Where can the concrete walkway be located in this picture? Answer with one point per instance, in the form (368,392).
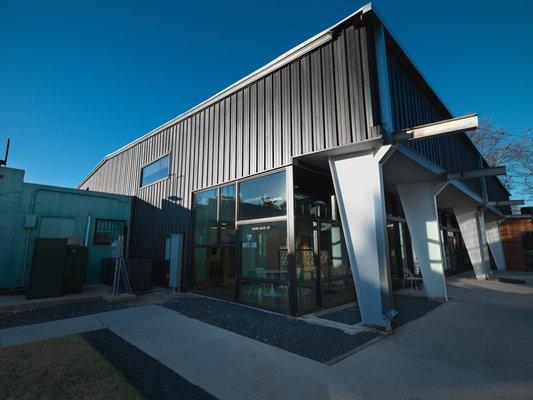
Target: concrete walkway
(476,346)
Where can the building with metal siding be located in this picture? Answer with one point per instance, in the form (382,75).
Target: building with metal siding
(316,102)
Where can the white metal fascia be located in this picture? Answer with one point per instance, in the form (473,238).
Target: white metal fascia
(438,171)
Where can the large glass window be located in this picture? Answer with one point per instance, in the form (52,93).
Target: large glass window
(336,281)
(263,197)
(155,171)
(399,251)
(264,264)
(205,217)
(240,246)
(306,270)
(214,270)
(393,205)
(313,194)
(227,214)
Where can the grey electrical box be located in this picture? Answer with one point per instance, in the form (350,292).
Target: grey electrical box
(29,222)
(176,254)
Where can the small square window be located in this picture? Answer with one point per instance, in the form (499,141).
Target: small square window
(107,231)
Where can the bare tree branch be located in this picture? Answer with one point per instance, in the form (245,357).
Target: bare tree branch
(499,147)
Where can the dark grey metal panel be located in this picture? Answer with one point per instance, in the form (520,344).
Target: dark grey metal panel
(201,150)
(218,143)
(239,132)
(210,156)
(254,137)
(232,155)
(368,68)
(269,119)
(328,84)
(355,83)
(277,146)
(306,105)
(296,109)
(342,96)
(316,101)
(286,110)
(261,137)
(412,105)
(246,149)
(227,139)
(196,156)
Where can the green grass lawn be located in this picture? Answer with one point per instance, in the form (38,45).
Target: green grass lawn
(64,368)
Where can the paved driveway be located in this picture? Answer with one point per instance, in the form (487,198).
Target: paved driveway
(477,346)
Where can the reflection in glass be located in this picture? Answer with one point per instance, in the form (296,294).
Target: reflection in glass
(264,258)
(450,241)
(313,194)
(214,270)
(263,197)
(335,274)
(227,214)
(306,271)
(272,295)
(155,171)
(205,217)
(399,252)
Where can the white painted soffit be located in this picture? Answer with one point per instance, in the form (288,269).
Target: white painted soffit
(320,158)
(438,173)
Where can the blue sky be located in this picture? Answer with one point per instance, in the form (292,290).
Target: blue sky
(81,79)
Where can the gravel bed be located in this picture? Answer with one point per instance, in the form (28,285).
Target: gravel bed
(348,316)
(319,343)
(60,311)
(151,378)
(408,307)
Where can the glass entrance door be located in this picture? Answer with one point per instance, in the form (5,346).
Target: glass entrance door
(323,273)
(336,282)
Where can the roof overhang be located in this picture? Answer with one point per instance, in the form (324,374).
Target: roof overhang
(319,159)
(404,165)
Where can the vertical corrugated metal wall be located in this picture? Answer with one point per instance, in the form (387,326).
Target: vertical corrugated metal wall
(316,102)
(412,106)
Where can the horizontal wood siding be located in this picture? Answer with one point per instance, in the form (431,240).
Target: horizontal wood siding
(511,236)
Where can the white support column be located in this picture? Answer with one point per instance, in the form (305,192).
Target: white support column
(420,208)
(472,226)
(495,244)
(359,189)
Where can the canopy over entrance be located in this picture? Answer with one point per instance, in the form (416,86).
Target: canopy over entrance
(362,172)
